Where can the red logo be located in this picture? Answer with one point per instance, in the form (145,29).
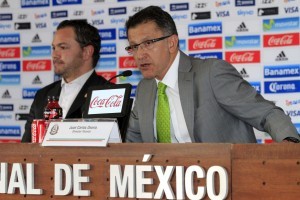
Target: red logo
(113,101)
(205,43)
(36,65)
(13,52)
(127,62)
(290,39)
(108,75)
(243,56)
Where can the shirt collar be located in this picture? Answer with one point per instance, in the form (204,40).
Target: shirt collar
(171,77)
(80,80)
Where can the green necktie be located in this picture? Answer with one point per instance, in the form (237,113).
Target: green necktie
(163,115)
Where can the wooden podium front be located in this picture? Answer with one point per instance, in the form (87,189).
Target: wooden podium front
(255,171)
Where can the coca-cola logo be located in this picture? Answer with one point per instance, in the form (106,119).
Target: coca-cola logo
(127,62)
(10,52)
(36,65)
(112,101)
(281,40)
(243,57)
(205,43)
(246,57)
(34,132)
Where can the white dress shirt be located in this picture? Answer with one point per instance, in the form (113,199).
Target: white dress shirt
(69,91)
(179,131)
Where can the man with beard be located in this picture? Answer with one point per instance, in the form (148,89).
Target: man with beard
(76,47)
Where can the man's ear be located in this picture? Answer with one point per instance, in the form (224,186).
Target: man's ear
(173,43)
(88,52)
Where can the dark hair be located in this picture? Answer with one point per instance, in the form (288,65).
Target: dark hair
(86,34)
(153,13)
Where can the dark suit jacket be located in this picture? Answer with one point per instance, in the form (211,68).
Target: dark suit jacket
(218,106)
(40,101)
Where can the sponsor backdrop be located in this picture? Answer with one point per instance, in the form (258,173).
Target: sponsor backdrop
(259,37)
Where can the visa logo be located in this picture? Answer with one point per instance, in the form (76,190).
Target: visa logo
(282,87)
(179,6)
(223,14)
(41,25)
(291,10)
(107,49)
(10,131)
(293,113)
(98,22)
(122,33)
(108,34)
(29,93)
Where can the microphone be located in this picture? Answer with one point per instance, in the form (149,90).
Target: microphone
(126,73)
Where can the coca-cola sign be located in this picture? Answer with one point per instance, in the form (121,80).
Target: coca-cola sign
(243,56)
(12,52)
(36,65)
(106,101)
(127,62)
(112,101)
(288,39)
(205,43)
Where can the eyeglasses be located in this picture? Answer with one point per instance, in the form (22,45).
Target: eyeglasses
(148,44)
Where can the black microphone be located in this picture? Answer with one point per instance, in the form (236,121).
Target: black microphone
(126,73)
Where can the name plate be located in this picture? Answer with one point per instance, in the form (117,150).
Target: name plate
(82,132)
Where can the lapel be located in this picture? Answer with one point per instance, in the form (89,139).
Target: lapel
(147,114)
(55,91)
(185,84)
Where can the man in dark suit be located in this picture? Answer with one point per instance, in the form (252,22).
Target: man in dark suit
(200,100)
(76,47)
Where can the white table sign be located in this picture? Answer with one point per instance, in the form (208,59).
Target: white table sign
(82,132)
